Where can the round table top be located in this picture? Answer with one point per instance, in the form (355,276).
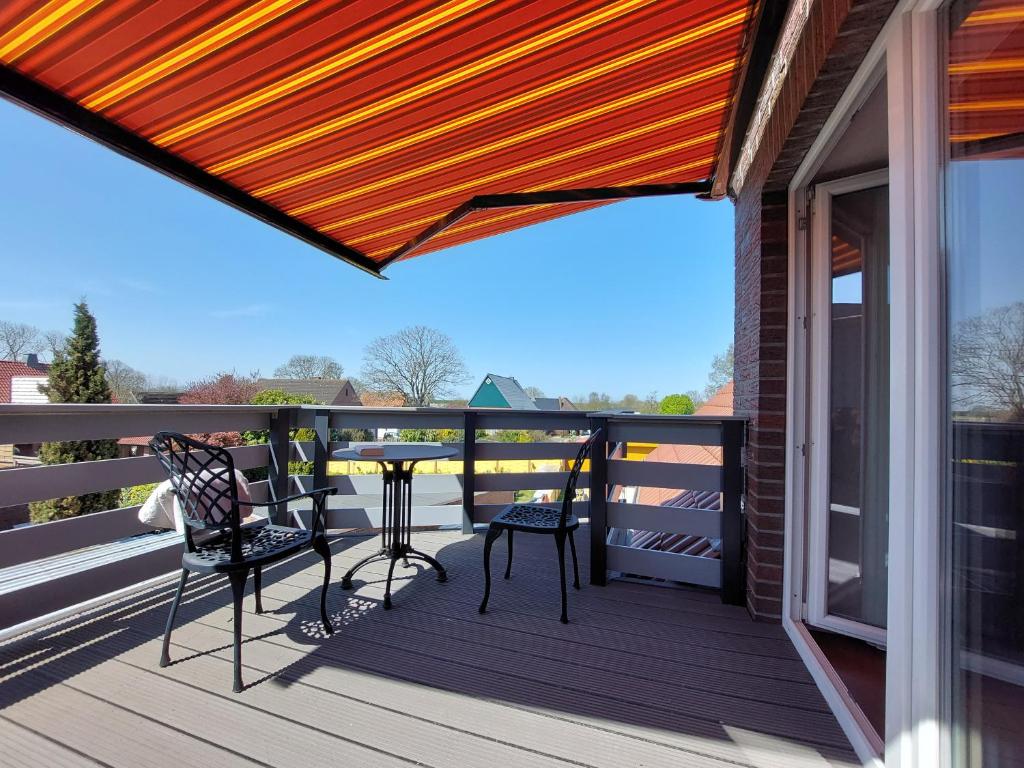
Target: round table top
(398,452)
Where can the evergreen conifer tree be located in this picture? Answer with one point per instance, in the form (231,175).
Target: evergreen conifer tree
(77,376)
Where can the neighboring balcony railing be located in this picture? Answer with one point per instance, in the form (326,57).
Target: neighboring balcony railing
(49,567)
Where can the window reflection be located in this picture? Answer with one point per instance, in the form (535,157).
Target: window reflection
(984,232)
(859,407)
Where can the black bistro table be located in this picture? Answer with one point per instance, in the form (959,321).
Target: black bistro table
(396,461)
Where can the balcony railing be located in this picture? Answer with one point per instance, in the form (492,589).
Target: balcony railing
(50,567)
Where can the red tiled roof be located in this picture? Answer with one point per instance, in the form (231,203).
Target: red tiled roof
(382,400)
(720,404)
(8,370)
(142,441)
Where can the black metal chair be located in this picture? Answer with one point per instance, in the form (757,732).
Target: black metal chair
(531,518)
(203,477)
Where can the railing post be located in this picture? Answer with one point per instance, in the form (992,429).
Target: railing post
(321,445)
(732,562)
(468,470)
(599,504)
(280,426)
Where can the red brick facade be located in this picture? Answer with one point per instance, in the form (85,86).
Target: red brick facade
(831,47)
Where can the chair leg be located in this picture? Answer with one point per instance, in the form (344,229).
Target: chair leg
(575,564)
(238,589)
(165,657)
(493,534)
(508,568)
(257,583)
(321,547)
(560,544)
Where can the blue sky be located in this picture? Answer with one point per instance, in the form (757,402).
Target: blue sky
(633,297)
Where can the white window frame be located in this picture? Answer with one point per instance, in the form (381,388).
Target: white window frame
(916,729)
(820,373)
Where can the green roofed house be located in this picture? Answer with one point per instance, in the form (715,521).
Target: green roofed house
(505,392)
(501,392)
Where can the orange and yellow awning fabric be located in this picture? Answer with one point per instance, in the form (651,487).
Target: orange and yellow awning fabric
(385,129)
(986,66)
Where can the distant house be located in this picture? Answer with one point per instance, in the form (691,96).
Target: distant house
(554,404)
(505,392)
(22,383)
(133,446)
(323,391)
(158,398)
(383,400)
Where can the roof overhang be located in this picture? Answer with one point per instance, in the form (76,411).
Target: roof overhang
(380,131)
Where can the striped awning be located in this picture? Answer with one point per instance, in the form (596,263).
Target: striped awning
(384,129)
(986,63)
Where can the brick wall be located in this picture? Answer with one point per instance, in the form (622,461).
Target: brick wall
(832,46)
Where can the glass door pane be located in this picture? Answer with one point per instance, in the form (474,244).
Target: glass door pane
(984,211)
(858,429)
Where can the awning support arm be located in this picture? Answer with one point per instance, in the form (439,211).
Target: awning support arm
(548,197)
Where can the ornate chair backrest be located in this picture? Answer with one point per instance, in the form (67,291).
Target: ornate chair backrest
(203,478)
(570,486)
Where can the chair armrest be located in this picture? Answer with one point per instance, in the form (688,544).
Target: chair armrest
(318,495)
(307,494)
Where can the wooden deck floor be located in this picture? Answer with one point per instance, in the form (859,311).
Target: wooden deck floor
(643,676)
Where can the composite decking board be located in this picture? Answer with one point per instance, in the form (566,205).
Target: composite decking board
(439,743)
(463,662)
(70,718)
(586,640)
(540,601)
(672,609)
(197,686)
(450,659)
(716,690)
(22,748)
(501,640)
(534,730)
(537,617)
(300,594)
(691,742)
(584,602)
(218,685)
(536,601)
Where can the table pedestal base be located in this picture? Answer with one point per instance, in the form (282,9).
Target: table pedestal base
(396,529)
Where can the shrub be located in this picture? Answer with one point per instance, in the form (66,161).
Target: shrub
(136,495)
(677,404)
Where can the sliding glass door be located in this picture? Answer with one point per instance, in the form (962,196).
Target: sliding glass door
(849,383)
(985,357)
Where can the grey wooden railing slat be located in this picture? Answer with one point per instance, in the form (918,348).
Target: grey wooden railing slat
(658,474)
(20,486)
(646,517)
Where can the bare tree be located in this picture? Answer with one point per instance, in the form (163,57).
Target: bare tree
(18,340)
(54,342)
(987,362)
(721,373)
(124,381)
(534,392)
(420,363)
(310,367)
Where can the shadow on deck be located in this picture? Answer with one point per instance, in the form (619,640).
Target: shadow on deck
(641,675)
